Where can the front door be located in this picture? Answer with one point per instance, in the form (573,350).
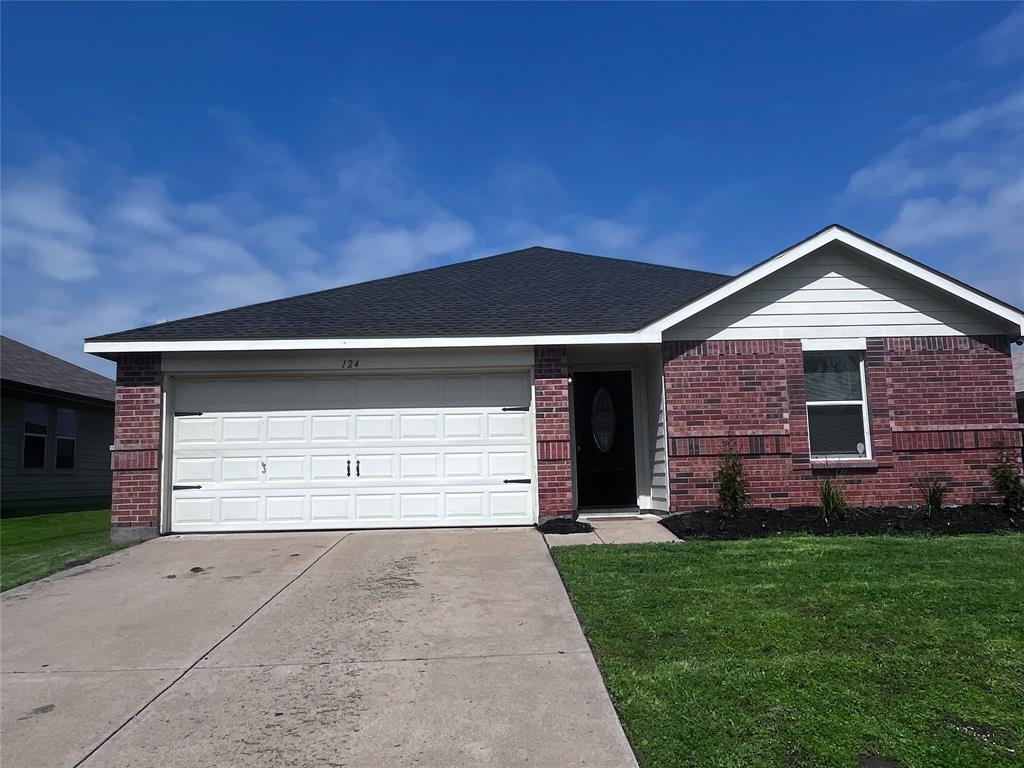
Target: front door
(605,460)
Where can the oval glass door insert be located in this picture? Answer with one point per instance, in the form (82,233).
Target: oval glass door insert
(602,420)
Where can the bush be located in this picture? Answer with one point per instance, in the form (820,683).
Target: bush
(1006,479)
(933,492)
(833,501)
(732,485)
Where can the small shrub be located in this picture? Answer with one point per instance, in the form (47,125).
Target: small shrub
(732,485)
(933,492)
(1006,479)
(833,501)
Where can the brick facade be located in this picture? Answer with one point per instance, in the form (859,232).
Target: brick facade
(554,453)
(135,454)
(937,406)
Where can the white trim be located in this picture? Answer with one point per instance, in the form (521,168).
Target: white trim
(833,345)
(229,345)
(830,235)
(864,412)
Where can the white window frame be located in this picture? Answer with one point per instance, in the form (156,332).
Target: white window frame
(863,403)
(57,437)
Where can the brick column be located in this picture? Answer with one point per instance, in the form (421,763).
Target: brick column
(554,455)
(135,454)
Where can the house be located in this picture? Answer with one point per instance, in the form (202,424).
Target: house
(525,386)
(57,428)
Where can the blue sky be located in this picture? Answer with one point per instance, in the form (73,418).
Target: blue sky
(161,160)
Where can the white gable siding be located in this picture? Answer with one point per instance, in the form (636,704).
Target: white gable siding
(834,293)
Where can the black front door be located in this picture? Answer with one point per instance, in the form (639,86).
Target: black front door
(605,462)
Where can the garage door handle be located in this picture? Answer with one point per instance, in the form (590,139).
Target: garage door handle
(185,487)
(357,467)
(516,408)
(518,480)
(348,468)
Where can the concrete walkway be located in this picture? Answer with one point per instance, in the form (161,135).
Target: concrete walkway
(390,648)
(624,529)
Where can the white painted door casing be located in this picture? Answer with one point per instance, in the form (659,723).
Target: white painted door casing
(361,451)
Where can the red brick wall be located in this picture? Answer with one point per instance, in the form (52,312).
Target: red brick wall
(554,456)
(135,455)
(936,405)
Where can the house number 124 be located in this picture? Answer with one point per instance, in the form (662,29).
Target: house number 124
(350,363)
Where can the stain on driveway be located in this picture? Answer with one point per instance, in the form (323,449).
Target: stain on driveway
(399,648)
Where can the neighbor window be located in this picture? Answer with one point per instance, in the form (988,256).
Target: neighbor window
(33,452)
(837,417)
(67,431)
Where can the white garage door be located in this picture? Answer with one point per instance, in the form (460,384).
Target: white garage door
(364,451)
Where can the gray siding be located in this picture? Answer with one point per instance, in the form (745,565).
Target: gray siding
(87,483)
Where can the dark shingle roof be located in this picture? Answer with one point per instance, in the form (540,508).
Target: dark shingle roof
(532,291)
(22,364)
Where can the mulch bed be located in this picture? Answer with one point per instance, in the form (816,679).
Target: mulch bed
(757,522)
(564,525)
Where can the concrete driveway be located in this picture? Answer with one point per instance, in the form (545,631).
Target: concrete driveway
(385,648)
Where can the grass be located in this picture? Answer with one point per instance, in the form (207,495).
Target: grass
(35,546)
(800,651)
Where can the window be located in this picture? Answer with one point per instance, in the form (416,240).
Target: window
(67,431)
(33,452)
(837,418)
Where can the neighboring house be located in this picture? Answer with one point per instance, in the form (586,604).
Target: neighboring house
(57,428)
(524,386)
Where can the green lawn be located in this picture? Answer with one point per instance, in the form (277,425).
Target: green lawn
(35,546)
(801,651)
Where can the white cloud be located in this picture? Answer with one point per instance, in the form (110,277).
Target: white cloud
(90,247)
(956,188)
(1003,44)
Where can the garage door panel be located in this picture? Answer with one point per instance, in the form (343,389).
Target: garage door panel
(464,425)
(285,469)
(375,506)
(464,466)
(508,425)
(375,427)
(335,508)
(510,464)
(286,508)
(331,429)
(329,467)
(286,429)
(421,506)
(419,426)
(241,429)
(283,455)
(240,469)
(195,511)
(420,466)
(510,504)
(195,470)
(241,509)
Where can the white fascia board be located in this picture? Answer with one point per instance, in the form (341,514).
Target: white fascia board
(234,345)
(837,234)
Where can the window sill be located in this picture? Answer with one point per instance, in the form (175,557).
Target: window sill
(839,464)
